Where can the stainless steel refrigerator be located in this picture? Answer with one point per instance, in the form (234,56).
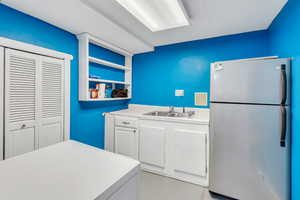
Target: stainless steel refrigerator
(250,129)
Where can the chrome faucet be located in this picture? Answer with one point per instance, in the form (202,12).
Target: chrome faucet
(171,109)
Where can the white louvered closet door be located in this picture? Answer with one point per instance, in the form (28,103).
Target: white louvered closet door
(51,121)
(21,86)
(34,102)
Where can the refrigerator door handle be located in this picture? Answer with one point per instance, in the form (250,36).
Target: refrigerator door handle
(283,84)
(283,127)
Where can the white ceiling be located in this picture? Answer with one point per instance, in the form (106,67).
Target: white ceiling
(76,17)
(109,21)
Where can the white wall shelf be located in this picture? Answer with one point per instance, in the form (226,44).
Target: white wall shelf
(107,63)
(109,99)
(84,62)
(108,81)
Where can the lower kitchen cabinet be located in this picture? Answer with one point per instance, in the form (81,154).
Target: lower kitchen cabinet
(190,153)
(126,142)
(152,145)
(174,149)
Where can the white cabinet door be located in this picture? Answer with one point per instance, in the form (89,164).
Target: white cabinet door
(190,152)
(152,144)
(51,101)
(126,142)
(20,102)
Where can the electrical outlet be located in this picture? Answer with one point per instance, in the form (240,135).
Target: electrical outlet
(179,93)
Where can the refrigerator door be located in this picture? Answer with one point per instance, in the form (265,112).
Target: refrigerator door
(256,81)
(247,160)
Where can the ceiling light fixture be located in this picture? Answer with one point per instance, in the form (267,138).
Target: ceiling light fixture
(157,15)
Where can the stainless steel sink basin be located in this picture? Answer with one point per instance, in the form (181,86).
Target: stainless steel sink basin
(170,114)
(158,113)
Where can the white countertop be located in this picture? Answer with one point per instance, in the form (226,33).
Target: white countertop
(65,171)
(201,115)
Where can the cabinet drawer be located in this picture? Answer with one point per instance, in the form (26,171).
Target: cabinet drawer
(126,121)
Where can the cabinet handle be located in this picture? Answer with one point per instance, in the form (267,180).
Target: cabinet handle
(23,126)
(126,123)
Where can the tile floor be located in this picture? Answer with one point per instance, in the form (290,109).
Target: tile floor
(155,187)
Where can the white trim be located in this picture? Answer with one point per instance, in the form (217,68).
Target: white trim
(67,104)
(211,81)
(33,49)
(247,59)
(83,88)
(2,101)
(128,74)
(94,40)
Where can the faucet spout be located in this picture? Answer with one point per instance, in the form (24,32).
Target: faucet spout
(171,109)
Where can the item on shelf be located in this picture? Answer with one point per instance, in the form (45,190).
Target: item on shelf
(119,93)
(101,89)
(94,76)
(108,91)
(93,93)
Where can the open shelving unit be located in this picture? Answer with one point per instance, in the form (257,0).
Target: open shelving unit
(84,62)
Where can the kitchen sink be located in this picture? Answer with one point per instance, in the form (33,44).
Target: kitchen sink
(170,114)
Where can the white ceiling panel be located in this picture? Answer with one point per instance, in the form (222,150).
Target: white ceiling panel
(208,18)
(75,17)
(109,21)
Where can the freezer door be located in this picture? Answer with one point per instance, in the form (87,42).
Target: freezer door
(247,160)
(256,81)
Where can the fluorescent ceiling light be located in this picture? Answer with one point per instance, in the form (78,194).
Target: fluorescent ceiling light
(157,15)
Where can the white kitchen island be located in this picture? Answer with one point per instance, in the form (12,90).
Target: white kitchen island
(69,171)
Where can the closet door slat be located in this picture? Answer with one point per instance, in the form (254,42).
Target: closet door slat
(52,101)
(21,105)
(52,86)
(34,101)
(21,87)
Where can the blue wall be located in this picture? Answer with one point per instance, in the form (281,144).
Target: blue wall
(285,42)
(157,74)
(187,66)
(86,119)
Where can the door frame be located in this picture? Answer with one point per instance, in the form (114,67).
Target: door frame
(2,102)
(21,46)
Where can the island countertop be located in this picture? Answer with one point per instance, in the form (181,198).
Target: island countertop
(65,171)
